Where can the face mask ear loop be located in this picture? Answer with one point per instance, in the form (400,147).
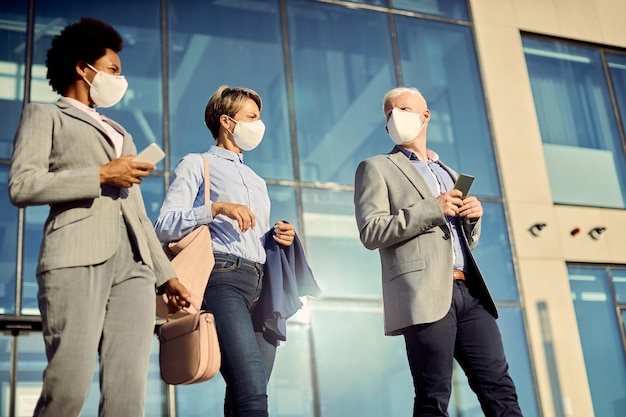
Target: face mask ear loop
(85,78)
(228,130)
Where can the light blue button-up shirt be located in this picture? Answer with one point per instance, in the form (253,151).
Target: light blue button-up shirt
(439,181)
(231,181)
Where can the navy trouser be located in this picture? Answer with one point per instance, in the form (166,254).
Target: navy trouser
(247,359)
(469,334)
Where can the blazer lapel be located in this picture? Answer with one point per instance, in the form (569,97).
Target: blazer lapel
(76,113)
(410,172)
(416,179)
(126,145)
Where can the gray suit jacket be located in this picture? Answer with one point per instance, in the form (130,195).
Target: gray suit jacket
(57,152)
(397,214)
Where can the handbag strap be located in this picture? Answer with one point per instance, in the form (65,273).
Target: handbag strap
(207,182)
(188,310)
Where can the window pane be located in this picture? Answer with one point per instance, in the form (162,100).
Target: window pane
(455,9)
(600,339)
(341,265)
(617,69)
(493,254)
(8,252)
(371,2)
(34,219)
(6,347)
(156,389)
(290,389)
(152,190)
(211,394)
(440,60)
(140,111)
(619,281)
(511,324)
(340,76)
(583,151)
(371,381)
(31,362)
(237,43)
(12,60)
(283,200)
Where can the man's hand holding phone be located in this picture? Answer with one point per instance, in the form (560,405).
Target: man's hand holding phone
(470,206)
(456,202)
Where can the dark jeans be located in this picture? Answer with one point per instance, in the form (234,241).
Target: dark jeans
(247,359)
(469,334)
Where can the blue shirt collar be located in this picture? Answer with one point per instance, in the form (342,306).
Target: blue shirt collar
(225,153)
(432,155)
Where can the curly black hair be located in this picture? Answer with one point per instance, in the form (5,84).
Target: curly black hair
(87,41)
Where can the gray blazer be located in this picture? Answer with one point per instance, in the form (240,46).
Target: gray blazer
(397,214)
(57,152)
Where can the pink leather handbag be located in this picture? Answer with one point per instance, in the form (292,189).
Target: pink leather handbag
(189,350)
(192,259)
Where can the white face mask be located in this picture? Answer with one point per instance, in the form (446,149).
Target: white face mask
(248,135)
(404,126)
(106,89)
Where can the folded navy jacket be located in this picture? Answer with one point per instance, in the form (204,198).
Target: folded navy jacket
(287,277)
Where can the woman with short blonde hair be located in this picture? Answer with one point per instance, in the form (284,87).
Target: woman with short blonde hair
(238,216)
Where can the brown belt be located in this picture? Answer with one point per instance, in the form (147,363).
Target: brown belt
(458,274)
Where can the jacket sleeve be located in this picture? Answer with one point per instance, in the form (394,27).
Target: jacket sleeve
(382,217)
(31,182)
(160,263)
(179,215)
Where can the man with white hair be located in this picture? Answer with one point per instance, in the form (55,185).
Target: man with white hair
(433,292)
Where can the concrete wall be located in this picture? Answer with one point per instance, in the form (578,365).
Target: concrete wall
(541,260)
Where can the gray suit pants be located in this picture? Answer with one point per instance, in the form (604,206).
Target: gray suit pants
(106,310)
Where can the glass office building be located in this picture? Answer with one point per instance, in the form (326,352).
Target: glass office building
(529,97)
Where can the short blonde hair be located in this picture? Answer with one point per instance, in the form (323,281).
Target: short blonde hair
(228,101)
(397,91)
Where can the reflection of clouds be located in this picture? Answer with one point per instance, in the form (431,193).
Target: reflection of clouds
(330,226)
(329,214)
(358,121)
(340,263)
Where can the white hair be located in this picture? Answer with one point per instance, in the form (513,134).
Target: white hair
(400,90)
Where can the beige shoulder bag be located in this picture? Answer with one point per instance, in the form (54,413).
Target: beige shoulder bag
(192,259)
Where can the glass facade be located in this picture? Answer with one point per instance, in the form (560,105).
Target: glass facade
(12,67)
(601,334)
(576,108)
(322,68)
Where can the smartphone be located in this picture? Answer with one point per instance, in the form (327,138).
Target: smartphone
(464,183)
(152,153)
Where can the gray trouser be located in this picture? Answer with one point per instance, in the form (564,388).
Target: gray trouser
(105,309)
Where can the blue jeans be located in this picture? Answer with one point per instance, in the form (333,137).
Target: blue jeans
(469,334)
(247,358)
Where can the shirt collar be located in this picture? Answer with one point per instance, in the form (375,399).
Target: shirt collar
(79,105)
(225,153)
(432,155)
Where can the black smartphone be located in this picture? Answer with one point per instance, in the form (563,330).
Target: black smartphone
(464,183)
